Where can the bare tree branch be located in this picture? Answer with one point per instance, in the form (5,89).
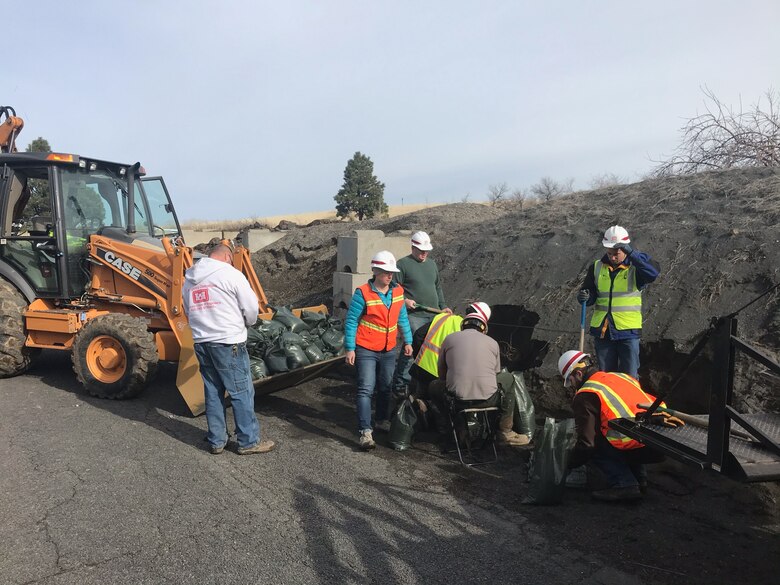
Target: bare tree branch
(723,137)
(547,188)
(497,193)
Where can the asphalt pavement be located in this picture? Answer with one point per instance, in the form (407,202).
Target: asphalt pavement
(99,491)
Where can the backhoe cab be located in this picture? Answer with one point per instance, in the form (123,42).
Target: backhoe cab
(92,261)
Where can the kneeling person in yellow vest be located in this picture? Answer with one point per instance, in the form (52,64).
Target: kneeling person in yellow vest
(616,463)
(467,366)
(426,345)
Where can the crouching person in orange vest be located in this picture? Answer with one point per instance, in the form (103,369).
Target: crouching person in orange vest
(375,314)
(616,463)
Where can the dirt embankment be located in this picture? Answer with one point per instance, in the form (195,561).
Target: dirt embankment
(715,236)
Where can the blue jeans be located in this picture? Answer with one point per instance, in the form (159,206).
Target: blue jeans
(225,367)
(622,467)
(374,370)
(621,355)
(401,376)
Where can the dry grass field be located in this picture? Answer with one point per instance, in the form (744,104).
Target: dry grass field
(299,218)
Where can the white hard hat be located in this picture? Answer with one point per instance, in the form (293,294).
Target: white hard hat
(422,241)
(384,260)
(478,310)
(567,362)
(614,236)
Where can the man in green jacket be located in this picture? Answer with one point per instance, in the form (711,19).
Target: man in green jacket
(419,276)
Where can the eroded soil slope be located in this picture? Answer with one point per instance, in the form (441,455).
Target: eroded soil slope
(715,236)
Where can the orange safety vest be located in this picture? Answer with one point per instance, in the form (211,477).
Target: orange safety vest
(377,328)
(619,395)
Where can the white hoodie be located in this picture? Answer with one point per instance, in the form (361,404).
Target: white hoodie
(219,302)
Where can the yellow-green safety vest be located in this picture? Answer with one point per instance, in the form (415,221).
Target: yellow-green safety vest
(442,325)
(619,296)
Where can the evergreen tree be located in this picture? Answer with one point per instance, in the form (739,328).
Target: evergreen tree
(39,188)
(362,193)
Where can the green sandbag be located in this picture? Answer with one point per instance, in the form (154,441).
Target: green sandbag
(296,358)
(525,413)
(313,319)
(270,328)
(314,353)
(276,359)
(549,462)
(290,338)
(285,316)
(333,340)
(255,341)
(305,339)
(257,368)
(402,426)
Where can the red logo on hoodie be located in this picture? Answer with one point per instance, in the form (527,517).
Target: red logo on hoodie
(200,295)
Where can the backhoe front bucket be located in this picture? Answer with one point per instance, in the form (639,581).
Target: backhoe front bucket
(188,378)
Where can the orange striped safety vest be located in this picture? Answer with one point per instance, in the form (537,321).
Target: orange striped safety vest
(378,327)
(619,395)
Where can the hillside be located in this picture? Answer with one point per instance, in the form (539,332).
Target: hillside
(715,236)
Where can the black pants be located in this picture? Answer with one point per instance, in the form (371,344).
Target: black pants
(443,400)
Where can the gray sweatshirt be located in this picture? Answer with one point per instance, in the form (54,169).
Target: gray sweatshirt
(219,302)
(468,362)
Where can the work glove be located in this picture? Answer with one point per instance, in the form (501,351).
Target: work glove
(583,296)
(626,248)
(664,419)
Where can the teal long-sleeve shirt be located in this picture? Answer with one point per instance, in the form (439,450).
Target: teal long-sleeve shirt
(357,308)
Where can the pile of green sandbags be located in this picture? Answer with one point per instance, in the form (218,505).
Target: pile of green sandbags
(287,342)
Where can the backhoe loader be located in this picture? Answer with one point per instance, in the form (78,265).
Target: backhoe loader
(92,262)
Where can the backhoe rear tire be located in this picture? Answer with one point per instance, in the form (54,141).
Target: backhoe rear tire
(114,356)
(15,358)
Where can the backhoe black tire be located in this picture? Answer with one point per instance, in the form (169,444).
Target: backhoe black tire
(15,358)
(114,356)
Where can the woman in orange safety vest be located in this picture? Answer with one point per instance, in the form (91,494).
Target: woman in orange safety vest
(376,313)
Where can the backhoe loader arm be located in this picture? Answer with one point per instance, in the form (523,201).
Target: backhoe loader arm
(9,129)
(242,261)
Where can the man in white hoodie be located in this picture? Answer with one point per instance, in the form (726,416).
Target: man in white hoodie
(220,304)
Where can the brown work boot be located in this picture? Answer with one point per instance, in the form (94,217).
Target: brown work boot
(261,447)
(512,439)
(366,441)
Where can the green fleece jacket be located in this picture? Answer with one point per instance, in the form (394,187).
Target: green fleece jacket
(420,281)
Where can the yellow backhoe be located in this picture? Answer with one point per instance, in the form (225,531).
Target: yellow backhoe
(92,262)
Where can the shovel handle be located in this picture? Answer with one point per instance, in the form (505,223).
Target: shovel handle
(694,420)
(582,326)
(428,309)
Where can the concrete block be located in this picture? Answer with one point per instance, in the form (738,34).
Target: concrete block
(399,246)
(354,252)
(257,239)
(344,285)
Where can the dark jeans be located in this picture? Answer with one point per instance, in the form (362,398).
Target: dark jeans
(443,401)
(619,467)
(401,376)
(620,355)
(374,372)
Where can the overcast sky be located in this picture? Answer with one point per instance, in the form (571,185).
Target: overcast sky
(252,108)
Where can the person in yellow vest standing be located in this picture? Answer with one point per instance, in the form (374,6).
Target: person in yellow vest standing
(614,286)
(616,463)
(376,313)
